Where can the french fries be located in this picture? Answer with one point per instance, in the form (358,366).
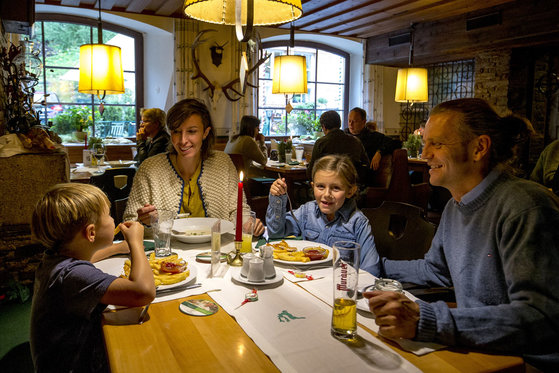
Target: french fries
(160,277)
(282,251)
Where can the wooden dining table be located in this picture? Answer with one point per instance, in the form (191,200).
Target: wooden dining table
(291,174)
(170,340)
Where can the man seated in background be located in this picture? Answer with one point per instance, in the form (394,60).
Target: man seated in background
(376,144)
(335,141)
(547,164)
(497,244)
(152,138)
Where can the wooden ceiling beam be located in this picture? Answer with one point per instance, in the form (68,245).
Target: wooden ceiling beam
(526,23)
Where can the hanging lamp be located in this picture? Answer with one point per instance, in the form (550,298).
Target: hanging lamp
(266,12)
(411,83)
(100,68)
(290,74)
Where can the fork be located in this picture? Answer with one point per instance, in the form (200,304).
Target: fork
(290,205)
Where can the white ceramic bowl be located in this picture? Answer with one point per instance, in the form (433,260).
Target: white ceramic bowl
(197,230)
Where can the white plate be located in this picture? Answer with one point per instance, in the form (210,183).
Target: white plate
(300,245)
(237,277)
(119,164)
(197,224)
(115,266)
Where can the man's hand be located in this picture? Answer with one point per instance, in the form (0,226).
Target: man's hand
(278,188)
(396,315)
(375,162)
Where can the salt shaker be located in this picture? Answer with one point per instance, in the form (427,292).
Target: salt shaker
(266,252)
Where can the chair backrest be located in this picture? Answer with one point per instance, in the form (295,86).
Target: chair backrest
(400,230)
(116,183)
(238,161)
(119,207)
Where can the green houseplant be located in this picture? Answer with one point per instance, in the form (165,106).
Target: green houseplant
(75,119)
(413,144)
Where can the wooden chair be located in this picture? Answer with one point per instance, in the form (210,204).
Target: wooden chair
(400,230)
(391,182)
(258,202)
(116,183)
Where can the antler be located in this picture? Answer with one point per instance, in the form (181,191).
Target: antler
(229,86)
(199,73)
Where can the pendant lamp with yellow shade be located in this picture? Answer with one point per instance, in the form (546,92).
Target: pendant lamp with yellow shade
(266,12)
(100,68)
(411,83)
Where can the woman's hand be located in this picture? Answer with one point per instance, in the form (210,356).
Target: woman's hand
(395,314)
(278,188)
(258,228)
(141,134)
(144,214)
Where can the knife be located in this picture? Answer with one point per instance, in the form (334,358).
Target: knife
(176,288)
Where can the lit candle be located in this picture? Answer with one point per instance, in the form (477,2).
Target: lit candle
(239,227)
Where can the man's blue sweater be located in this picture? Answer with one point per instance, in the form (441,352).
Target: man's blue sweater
(499,248)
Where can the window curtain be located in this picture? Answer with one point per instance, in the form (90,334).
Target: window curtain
(226,115)
(372,93)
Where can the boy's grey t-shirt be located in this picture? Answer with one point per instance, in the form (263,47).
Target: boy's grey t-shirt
(66,330)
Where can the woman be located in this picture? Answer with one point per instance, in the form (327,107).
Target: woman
(249,143)
(152,138)
(191,177)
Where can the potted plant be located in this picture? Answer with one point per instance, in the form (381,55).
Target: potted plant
(284,146)
(413,144)
(77,119)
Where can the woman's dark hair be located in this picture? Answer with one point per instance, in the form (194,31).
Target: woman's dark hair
(477,118)
(248,124)
(183,110)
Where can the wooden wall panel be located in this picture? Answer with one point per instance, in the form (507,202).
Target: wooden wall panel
(524,23)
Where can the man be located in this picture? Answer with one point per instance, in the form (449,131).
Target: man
(375,143)
(335,141)
(497,244)
(152,138)
(547,164)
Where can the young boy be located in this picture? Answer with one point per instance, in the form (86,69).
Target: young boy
(72,221)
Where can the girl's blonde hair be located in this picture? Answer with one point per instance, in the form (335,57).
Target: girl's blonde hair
(340,164)
(64,210)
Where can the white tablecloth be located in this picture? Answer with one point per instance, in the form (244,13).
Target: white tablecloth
(290,325)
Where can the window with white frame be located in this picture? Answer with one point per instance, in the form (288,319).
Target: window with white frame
(327,77)
(56,98)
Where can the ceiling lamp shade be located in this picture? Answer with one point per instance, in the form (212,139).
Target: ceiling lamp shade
(290,75)
(100,69)
(266,12)
(411,85)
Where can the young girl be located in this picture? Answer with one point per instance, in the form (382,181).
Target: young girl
(72,221)
(332,216)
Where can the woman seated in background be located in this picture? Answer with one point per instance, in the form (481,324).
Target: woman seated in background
(192,177)
(152,138)
(249,143)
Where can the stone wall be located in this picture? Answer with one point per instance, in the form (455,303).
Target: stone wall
(492,79)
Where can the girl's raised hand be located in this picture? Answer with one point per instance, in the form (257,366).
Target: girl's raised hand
(278,188)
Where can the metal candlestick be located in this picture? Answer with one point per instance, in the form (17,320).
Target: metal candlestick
(237,260)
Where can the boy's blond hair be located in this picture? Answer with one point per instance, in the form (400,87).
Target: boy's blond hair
(64,210)
(341,165)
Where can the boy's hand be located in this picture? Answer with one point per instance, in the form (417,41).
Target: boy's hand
(279,187)
(145,212)
(395,314)
(133,232)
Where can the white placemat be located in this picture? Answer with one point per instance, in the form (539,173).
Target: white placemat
(323,290)
(293,329)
